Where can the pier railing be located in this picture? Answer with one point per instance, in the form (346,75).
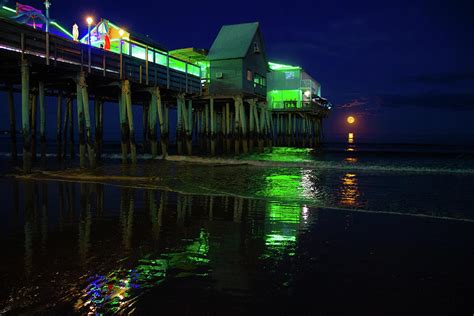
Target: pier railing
(61,52)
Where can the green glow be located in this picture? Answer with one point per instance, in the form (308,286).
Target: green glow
(284,154)
(279,99)
(138,52)
(281,186)
(282,229)
(205,69)
(62,29)
(284,213)
(177,64)
(9,9)
(275,66)
(194,70)
(161,59)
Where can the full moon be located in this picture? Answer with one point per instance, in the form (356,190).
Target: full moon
(351,120)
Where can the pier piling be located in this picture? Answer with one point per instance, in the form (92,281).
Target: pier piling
(42,121)
(128,101)
(152,122)
(11,107)
(59,110)
(25,98)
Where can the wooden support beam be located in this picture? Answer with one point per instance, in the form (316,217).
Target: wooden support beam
(84,122)
(228,125)
(251,121)
(11,107)
(152,122)
(97,119)
(189,127)
(146,125)
(33,101)
(42,121)
(213,126)
(179,123)
(65,127)
(59,109)
(123,125)
(80,124)
(25,98)
(237,127)
(71,128)
(243,125)
(126,90)
(163,124)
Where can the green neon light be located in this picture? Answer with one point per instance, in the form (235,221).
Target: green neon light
(62,29)
(275,66)
(279,99)
(177,64)
(9,9)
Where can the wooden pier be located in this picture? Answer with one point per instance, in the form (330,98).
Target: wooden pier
(37,64)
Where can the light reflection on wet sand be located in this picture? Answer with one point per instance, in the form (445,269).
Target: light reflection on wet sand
(94,248)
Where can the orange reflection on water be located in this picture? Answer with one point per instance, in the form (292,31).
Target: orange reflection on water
(350,138)
(349,190)
(351,159)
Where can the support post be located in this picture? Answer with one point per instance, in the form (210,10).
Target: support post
(42,121)
(123,125)
(179,124)
(98,129)
(213,127)
(25,97)
(237,127)
(71,128)
(86,120)
(189,127)
(243,123)
(80,124)
(11,106)
(128,100)
(152,121)
(161,118)
(33,100)
(227,128)
(251,122)
(59,110)
(146,126)
(65,127)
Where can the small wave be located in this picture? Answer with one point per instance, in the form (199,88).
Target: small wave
(322,165)
(156,183)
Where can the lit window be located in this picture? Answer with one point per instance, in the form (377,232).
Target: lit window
(249,75)
(259,80)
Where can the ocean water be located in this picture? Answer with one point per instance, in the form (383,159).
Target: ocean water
(348,228)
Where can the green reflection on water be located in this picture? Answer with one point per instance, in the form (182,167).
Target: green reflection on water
(283,154)
(283,225)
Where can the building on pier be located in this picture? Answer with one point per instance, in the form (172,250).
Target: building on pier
(295,101)
(229,96)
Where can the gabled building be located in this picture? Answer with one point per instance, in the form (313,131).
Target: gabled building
(238,62)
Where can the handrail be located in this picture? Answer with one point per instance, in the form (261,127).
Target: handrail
(21,39)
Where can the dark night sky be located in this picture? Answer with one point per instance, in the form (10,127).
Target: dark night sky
(404,68)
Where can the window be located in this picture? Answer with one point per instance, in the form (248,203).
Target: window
(260,80)
(290,75)
(256,48)
(160,59)
(177,64)
(249,75)
(194,70)
(138,51)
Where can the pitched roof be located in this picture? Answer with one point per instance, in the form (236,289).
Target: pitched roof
(233,41)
